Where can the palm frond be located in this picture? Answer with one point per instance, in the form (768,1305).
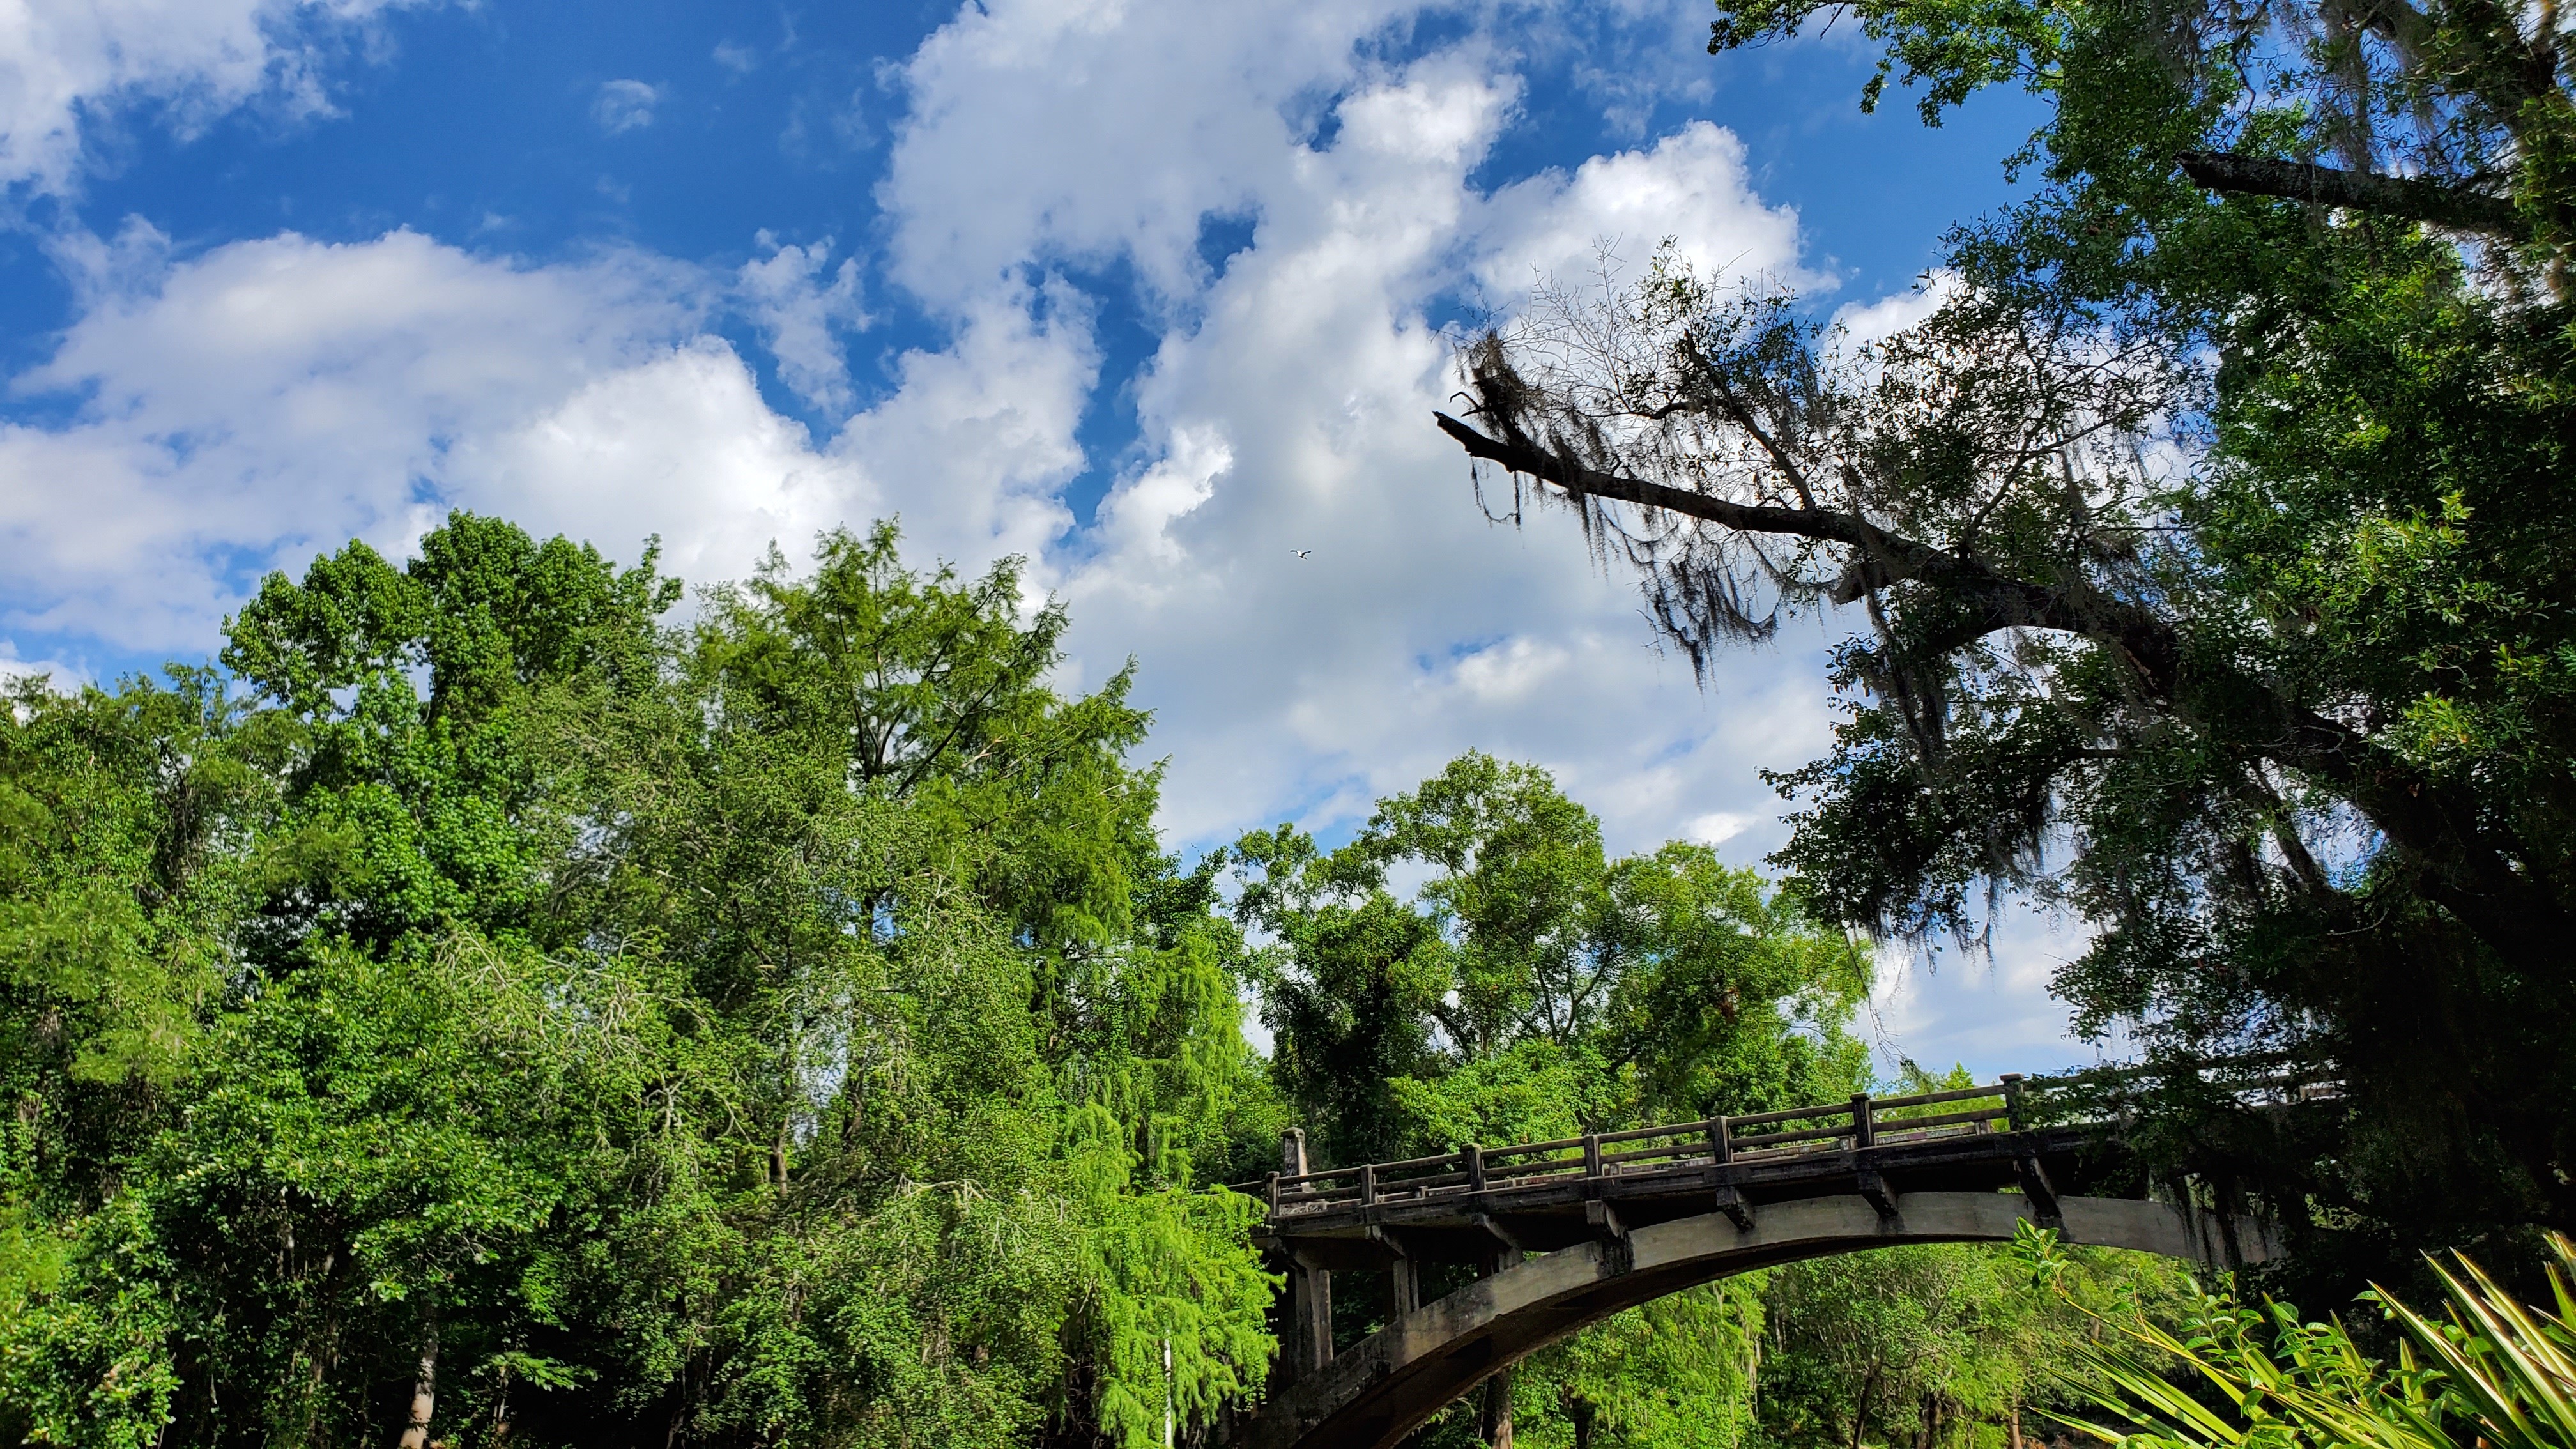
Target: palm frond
(2491,1372)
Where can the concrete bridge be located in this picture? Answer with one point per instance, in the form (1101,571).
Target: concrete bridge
(1484,1256)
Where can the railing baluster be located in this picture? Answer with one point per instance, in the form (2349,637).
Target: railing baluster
(1862,1135)
(1591,1154)
(1368,1184)
(1721,1145)
(2012,1100)
(1475,1168)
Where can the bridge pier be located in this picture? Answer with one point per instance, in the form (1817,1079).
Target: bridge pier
(1310,1316)
(1494,1415)
(1494,1425)
(1403,1285)
(1306,1330)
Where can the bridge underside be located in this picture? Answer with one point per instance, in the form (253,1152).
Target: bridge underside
(1388,1384)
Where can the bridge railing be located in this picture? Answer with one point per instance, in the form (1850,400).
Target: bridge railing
(1861,1121)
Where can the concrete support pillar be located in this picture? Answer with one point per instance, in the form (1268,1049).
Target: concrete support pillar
(1494,1420)
(1403,1288)
(1494,1425)
(1310,1316)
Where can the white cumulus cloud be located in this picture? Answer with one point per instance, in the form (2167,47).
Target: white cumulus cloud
(624,105)
(1288,406)
(1604,221)
(65,64)
(268,400)
(1866,322)
(1041,128)
(802,304)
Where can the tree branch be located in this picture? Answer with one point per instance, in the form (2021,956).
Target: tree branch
(2467,869)
(2002,602)
(2455,207)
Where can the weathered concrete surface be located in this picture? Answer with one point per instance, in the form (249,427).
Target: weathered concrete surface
(1387,1385)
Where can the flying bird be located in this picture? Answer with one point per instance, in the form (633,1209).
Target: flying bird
(1301,552)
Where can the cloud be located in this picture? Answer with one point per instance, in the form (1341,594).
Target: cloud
(800,315)
(58,676)
(1288,407)
(245,409)
(1511,671)
(1600,224)
(1866,322)
(624,105)
(1990,1015)
(267,399)
(1049,131)
(66,64)
(1716,828)
(679,445)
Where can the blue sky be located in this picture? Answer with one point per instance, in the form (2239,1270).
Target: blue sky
(1151,292)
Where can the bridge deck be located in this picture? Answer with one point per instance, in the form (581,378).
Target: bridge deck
(1541,1196)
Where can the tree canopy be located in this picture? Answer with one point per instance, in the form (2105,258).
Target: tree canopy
(2204,548)
(511,1013)
(1533,987)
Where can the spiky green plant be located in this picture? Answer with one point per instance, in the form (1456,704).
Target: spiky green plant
(2489,1372)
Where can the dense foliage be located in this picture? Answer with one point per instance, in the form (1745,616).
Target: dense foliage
(1533,987)
(2491,1371)
(512,1015)
(488,1009)
(2206,545)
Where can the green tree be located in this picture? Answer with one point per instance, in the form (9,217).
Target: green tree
(2204,546)
(1533,987)
(1937,1345)
(518,1019)
(1678,1373)
(1941,1344)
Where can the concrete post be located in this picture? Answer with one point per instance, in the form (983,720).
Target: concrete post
(1494,1425)
(1310,1288)
(1310,1295)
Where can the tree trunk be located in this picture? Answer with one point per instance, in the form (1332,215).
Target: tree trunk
(424,1390)
(2013,1427)
(1860,1404)
(501,1408)
(1581,1411)
(1496,1425)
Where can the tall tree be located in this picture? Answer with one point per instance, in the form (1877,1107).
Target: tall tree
(2204,546)
(1533,986)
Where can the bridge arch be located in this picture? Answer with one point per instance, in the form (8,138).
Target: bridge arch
(1390,1383)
